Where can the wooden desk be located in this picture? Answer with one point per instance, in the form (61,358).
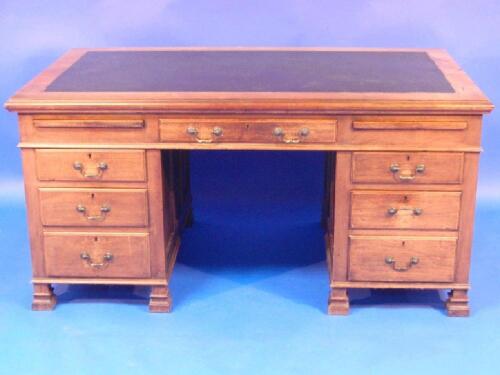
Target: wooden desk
(105,136)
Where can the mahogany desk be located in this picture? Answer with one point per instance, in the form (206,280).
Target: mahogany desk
(105,136)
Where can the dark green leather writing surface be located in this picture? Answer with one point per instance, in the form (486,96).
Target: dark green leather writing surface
(252,71)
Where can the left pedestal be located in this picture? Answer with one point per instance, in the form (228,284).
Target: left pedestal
(99,215)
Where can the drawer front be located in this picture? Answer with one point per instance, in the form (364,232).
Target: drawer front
(90,165)
(265,131)
(407,167)
(418,259)
(93,207)
(405,210)
(97,255)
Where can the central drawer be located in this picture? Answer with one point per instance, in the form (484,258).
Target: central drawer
(97,254)
(419,259)
(405,210)
(253,131)
(93,207)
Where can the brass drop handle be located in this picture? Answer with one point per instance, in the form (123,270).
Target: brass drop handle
(391,262)
(106,259)
(395,169)
(216,132)
(84,171)
(104,211)
(280,133)
(391,211)
(417,211)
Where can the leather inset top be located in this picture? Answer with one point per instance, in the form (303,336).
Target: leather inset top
(253,71)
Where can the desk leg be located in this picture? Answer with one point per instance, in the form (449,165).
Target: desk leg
(338,303)
(338,229)
(159,299)
(458,303)
(43,297)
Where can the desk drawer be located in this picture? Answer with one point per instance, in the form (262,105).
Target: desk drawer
(235,131)
(97,255)
(93,207)
(419,259)
(90,165)
(407,167)
(405,210)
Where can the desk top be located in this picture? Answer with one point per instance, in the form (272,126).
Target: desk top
(246,79)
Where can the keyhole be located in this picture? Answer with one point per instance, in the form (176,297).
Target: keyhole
(407,157)
(95,239)
(403,243)
(406,198)
(92,195)
(89,155)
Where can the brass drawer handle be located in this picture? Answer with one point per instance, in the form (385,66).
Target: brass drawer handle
(391,262)
(415,211)
(84,171)
(395,169)
(216,132)
(280,133)
(104,211)
(106,259)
